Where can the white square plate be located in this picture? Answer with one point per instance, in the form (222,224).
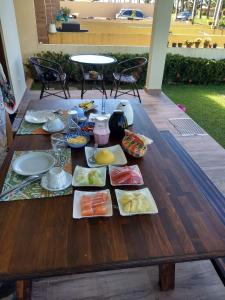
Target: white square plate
(120,158)
(85,173)
(134,168)
(148,195)
(77,208)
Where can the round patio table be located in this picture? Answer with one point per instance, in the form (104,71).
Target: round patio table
(93,59)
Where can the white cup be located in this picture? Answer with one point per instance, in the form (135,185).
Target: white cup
(54,124)
(56,178)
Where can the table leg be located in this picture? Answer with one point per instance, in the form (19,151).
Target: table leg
(23,289)
(167,276)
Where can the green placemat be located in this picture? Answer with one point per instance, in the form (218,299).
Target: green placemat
(30,128)
(34,190)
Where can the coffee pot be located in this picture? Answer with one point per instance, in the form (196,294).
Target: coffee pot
(126,107)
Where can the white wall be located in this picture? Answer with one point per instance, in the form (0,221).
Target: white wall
(209,53)
(11,43)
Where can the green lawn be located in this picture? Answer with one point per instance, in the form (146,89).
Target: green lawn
(203,20)
(204,104)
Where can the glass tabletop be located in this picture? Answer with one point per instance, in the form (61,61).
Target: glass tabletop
(93,59)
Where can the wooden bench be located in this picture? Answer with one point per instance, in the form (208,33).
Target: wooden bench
(211,192)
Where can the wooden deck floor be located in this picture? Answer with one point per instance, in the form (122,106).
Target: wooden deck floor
(196,280)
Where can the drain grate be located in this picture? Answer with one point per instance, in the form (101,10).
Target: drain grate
(187,127)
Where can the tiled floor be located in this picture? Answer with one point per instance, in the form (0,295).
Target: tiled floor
(195,280)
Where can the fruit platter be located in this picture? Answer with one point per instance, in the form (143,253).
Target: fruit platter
(113,155)
(89,176)
(92,204)
(136,202)
(87,105)
(127,175)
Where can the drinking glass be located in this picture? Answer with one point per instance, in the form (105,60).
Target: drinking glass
(58,146)
(72,119)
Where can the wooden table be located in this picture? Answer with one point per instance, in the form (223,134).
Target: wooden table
(40,238)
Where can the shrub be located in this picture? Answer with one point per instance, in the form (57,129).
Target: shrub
(196,70)
(177,68)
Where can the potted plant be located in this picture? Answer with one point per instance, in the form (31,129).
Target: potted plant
(197,42)
(207,42)
(65,12)
(180,45)
(214,45)
(189,43)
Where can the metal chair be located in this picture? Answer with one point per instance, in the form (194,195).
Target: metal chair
(128,72)
(50,73)
(88,79)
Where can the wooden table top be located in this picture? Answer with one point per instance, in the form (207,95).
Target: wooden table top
(40,238)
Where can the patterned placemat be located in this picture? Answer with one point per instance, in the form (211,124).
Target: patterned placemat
(34,190)
(30,128)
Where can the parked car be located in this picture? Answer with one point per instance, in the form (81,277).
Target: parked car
(183,16)
(128,13)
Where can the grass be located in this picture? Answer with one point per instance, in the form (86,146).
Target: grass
(204,104)
(203,20)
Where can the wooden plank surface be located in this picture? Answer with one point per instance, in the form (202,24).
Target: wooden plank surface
(194,281)
(186,227)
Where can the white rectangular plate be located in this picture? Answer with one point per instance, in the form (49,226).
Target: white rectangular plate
(86,171)
(149,197)
(76,204)
(134,167)
(120,158)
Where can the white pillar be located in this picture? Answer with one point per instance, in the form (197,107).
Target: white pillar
(217,12)
(158,48)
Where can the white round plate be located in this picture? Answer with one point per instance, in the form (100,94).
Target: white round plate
(44,183)
(52,131)
(38,117)
(33,163)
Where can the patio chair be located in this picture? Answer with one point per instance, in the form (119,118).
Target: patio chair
(95,81)
(50,73)
(128,72)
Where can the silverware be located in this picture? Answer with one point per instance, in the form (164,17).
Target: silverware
(23,184)
(72,125)
(91,159)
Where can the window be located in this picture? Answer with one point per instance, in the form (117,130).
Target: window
(127,13)
(139,14)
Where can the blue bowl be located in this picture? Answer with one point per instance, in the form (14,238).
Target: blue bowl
(75,134)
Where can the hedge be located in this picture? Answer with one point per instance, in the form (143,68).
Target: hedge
(177,68)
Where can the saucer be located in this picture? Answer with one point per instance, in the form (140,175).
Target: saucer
(38,116)
(52,131)
(44,183)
